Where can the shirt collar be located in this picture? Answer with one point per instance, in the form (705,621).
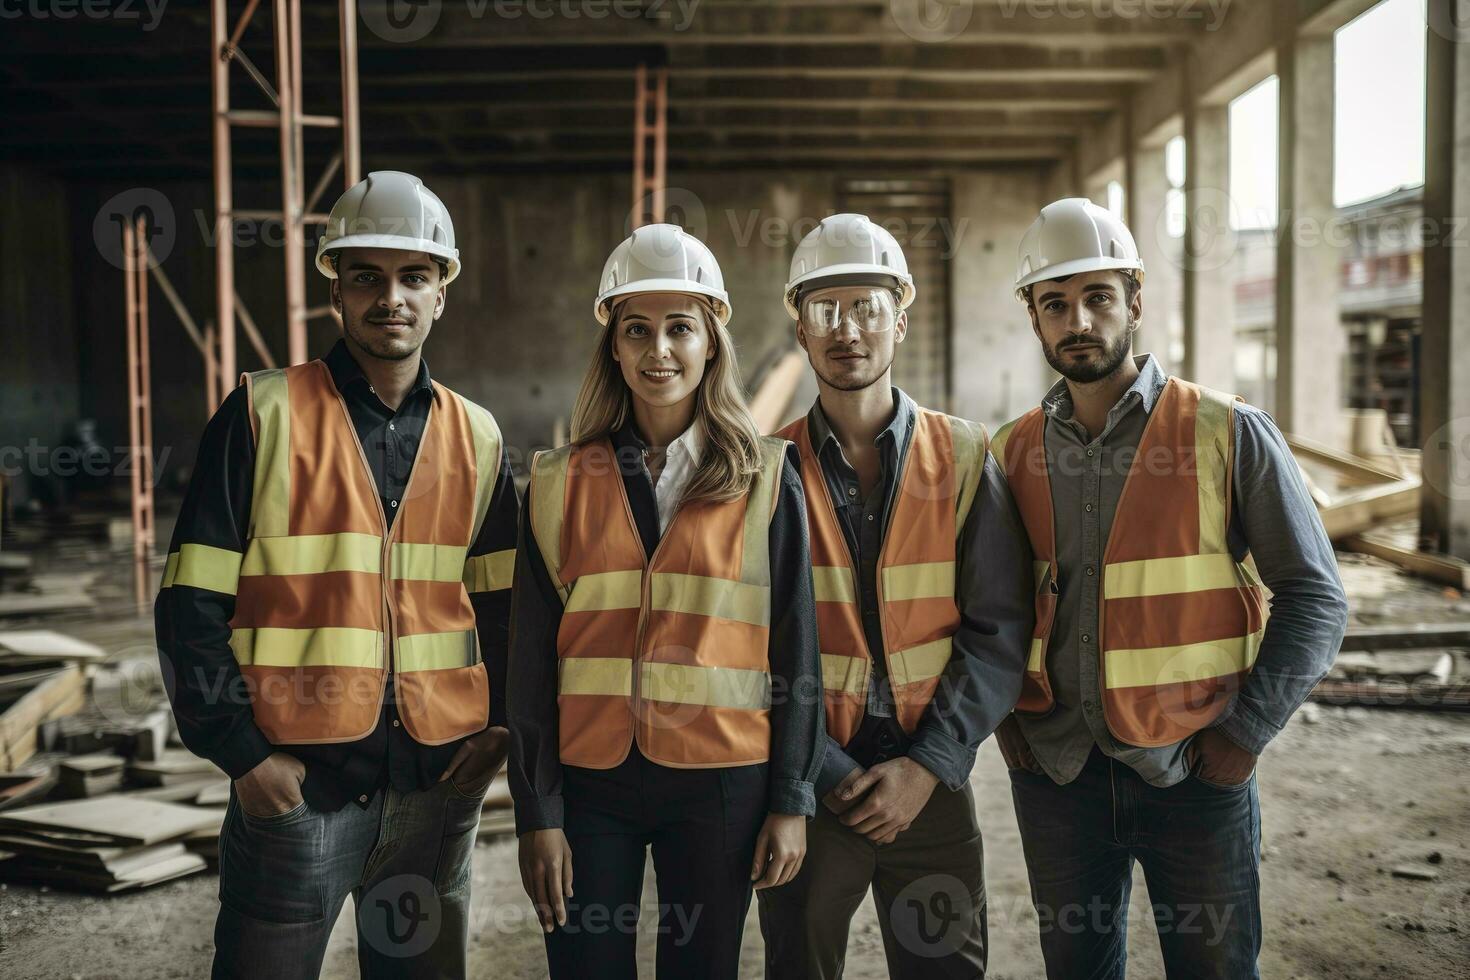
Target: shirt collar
(690,441)
(820,430)
(347,372)
(1145,390)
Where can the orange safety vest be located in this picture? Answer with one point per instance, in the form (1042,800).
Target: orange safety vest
(670,650)
(1180,620)
(327,598)
(940,474)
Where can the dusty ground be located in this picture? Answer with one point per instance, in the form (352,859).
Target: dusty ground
(1345,798)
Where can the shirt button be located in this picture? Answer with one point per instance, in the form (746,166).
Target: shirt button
(852,491)
(870,517)
(395,722)
(362,798)
(372,389)
(1088,508)
(1089,452)
(393,427)
(1090,570)
(394,503)
(1086,637)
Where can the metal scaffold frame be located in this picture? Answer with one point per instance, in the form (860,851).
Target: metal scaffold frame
(650,144)
(296,210)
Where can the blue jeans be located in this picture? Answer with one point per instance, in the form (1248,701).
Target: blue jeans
(1200,848)
(405,859)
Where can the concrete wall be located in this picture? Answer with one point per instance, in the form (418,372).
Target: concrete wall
(39,390)
(518,330)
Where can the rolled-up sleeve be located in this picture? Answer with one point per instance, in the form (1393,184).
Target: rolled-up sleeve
(994,591)
(1279,524)
(798,721)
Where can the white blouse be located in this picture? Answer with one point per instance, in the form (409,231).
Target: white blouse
(681,459)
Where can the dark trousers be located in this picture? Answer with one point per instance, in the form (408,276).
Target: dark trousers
(928,886)
(702,825)
(1200,848)
(405,859)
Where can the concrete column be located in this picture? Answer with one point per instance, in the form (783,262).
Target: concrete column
(1209,246)
(1444,359)
(1310,343)
(1147,198)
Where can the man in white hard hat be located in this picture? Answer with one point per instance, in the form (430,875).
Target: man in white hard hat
(923,603)
(334,618)
(1157,510)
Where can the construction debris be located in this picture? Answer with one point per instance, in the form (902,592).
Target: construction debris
(28,702)
(107,844)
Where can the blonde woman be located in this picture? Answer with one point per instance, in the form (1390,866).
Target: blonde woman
(664,686)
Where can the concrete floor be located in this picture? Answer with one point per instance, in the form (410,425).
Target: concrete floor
(1345,798)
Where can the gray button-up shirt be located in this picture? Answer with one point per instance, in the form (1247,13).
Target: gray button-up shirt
(993,589)
(1272,518)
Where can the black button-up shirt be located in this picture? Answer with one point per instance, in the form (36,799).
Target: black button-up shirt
(192,624)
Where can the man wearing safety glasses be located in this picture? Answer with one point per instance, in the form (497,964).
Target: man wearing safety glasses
(922,577)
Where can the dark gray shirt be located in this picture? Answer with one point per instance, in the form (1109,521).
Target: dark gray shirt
(1272,518)
(993,590)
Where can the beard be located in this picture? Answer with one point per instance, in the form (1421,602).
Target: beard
(854,381)
(1108,361)
(384,347)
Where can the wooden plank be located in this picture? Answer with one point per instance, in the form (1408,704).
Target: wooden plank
(1413,695)
(61,694)
(125,819)
(47,645)
(1409,636)
(1425,564)
(1355,512)
(1355,468)
(776,391)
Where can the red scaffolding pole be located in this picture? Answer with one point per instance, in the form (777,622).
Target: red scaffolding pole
(290,120)
(650,144)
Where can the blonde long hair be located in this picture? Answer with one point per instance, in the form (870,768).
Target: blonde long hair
(732,454)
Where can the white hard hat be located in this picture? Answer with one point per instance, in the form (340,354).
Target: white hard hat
(848,245)
(662,259)
(389,209)
(1074,235)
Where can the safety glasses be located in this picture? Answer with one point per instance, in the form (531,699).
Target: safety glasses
(870,311)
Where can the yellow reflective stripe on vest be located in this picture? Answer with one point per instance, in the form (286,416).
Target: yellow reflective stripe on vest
(270,507)
(326,646)
(487,439)
(1213,421)
(436,651)
(969,459)
(833,583)
(490,573)
(717,598)
(203,567)
(1040,569)
(999,440)
(1033,659)
(1168,576)
(760,506)
(1180,664)
(312,554)
(920,663)
(610,676)
(925,580)
(427,562)
(847,675)
(607,590)
(715,687)
(547,498)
